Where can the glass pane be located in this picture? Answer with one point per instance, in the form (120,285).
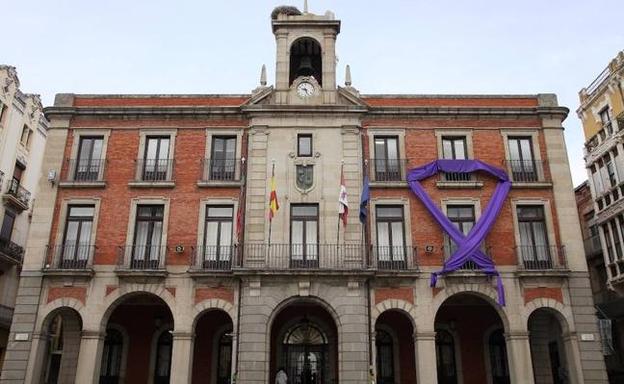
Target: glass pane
(85,149)
(220,211)
(226,240)
(212,229)
(447,149)
(525,147)
(380,149)
(84,241)
(393,153)
(390,212)
(305,210)
(81,211)
(152,148)
(311,240)
(514,150)
(164,149)
(71,234)
(297,240)
(140,240)
(398,252)
(305,145)
(230,149)
(383,241)
(460,149)
(97,149)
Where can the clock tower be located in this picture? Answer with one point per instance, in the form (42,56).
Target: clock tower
(306,56)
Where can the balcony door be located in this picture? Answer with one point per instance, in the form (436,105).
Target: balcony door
(455,148)
(218,237)
(390,249)
(146,250)
(523,167)
(387,163)
(534,246)
(223,158)
(304,228)
(463,216)
(156,160)
(7,225)
(77,237)
(89,157)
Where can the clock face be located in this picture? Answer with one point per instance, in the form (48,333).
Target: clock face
(305,89)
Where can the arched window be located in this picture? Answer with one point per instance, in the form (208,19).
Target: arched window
(498,358)
(111,357)
(224,357)
(305,357)
(306,60)
(385,357)
(445,356)
(163,358)
(55,349)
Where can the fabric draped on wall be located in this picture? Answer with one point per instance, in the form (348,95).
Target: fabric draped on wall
(468,246)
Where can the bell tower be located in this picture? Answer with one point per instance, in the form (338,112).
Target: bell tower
(306,56)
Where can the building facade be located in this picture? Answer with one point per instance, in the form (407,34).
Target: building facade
(154,258)
(602,113)
(23,130)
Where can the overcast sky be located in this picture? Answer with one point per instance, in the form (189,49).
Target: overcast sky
(393,46)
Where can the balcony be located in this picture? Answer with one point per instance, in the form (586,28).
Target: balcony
(220,172)
(6,316)
(214,258)
(459,180)
(592,246)
(529,172)
(388,171)
(70,259)
(142,260)
(541,258)
(10,253)
(154,173)
(470,266)
(84,173)
(16,195)
(394,258)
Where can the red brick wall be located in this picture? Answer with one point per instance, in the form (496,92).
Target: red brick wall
(222,293)
(450,101)
(78,293)
(405,294)
(542,292)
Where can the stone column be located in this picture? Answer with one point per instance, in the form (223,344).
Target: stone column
(426,364)
(573,358)
(282,66)
(329,67)
(182,357)
(519,357)
(90,357)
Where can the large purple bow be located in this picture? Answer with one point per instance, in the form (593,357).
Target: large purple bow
(468,247)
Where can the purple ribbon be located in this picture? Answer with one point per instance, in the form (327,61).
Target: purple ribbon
(468,247)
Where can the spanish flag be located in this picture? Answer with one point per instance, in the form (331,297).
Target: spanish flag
(273,204)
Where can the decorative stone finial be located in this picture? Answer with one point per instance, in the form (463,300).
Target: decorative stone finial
(305,6)
(263,76)
(348,76)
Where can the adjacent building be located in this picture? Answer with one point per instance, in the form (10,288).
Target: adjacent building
(602,207)
(153,257)
(23,130)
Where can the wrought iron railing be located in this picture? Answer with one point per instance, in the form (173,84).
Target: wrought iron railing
(142,257)
(458,177)
(221,169)
(303,256)
(592,245)
(17,191)
(70,256)
(541,257)
(214,258)
(526,171)
(394,258)
(386,170)
(12,250)
(81,170)
(154,170)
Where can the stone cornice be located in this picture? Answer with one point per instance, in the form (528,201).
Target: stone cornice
(139,111)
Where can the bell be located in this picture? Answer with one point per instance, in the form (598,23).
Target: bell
(305,67)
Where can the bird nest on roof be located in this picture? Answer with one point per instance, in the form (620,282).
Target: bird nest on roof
(288,10)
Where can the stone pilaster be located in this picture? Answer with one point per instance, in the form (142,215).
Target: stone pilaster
(90,357)
(519,357)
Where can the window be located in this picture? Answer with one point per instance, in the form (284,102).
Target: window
(610,171)
(616,239)
(385,357)
(26,136)
(156,162)
(304,145)
(224,358)
(387,164)
(162,370)
(218,237)
(111,357)
(455,148)
(147,250)
(223,158)
(463,216)
(608,242)
(523,167)
(390,237)
(533,237)
(7,225)
(77,237)
(498,358)
(596,177)
(605,119)
(89,158)
(304,227)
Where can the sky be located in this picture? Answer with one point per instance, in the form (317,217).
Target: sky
(392,46)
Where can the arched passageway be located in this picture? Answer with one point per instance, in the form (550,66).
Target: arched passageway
(58,354)
(470,344)
(138,342)
(212,355)
(548,352)
(304,342)
(394,349)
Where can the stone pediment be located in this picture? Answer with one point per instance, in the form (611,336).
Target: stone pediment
(346,97)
